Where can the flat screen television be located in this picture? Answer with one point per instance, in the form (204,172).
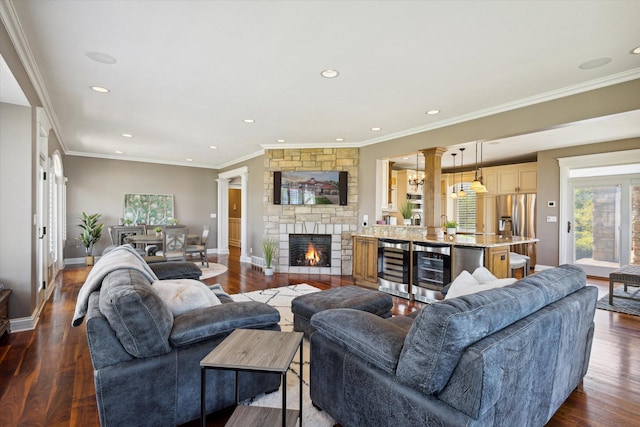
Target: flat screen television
(310,188)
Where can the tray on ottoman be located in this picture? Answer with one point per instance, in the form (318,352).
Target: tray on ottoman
(305,306)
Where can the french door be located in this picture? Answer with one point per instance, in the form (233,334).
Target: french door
(600,227)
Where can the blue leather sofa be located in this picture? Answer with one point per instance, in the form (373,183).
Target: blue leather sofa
(499,357)
(147,362)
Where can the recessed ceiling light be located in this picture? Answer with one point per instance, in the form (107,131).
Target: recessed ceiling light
(103,58)
(329,74)
(375,129)
(127,135)
(189,160)
(405,158)
(213,147)
(249,121)
(595,63)
(432,112)
(100,89)
(636,51)
(339,139)
(119,152)
(280,140)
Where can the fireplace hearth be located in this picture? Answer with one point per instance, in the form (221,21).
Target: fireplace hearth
(310,250)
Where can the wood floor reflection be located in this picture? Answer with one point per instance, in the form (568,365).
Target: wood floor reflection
(46,377)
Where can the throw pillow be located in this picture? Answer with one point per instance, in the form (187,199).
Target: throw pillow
(184,295)
(461,285)
(466,284)
(483,275)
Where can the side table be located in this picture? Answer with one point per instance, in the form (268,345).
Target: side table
(4,311)
(629,275)
(255,350)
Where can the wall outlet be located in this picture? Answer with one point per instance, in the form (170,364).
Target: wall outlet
(214,215)
(552,219)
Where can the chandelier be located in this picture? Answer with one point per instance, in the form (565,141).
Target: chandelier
(415,181)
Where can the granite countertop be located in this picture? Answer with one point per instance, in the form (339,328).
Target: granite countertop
(419,234)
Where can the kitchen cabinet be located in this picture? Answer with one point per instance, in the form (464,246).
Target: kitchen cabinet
(497,261)
(520,178)
(365,261)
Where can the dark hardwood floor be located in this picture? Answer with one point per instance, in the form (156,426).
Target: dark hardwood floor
(46,377)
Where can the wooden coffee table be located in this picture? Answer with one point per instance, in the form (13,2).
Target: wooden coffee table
(630,276)
(255,351)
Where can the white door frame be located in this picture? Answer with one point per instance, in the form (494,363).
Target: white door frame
(223,211)
(566,196)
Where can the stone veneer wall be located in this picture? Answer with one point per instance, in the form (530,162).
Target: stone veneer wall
(339,221)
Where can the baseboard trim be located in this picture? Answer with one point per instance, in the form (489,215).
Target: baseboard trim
(22,324)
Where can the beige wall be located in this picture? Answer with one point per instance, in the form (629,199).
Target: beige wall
(549,189)
(17,260)
(99,185)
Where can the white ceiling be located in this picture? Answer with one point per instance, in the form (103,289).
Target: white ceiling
(187,73)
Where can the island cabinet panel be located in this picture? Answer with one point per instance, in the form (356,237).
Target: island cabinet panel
(365,261)
(497,261)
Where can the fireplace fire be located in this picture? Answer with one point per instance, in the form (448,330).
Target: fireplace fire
(310,250)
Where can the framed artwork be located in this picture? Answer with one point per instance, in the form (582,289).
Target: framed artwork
(152,209)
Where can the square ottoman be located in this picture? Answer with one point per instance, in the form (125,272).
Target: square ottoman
(305,306)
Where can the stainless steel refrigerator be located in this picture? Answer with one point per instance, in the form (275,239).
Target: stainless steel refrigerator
(517,217)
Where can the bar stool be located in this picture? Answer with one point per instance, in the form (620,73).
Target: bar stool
(517,261)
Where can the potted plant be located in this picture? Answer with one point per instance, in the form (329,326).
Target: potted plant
(269,246)
(127,222)
(406,210)
(91,233)
(451,227)
(158,231)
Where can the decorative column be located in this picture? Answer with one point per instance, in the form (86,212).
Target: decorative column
(431,188)
(223,217)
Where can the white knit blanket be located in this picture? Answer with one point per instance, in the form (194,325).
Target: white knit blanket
(122,257)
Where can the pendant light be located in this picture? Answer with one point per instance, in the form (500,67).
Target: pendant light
(453,194)
(461,193)
(477,184)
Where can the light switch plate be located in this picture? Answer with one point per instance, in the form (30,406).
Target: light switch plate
(552,219)
(551,204)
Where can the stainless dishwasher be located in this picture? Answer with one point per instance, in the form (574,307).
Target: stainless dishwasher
(394,258)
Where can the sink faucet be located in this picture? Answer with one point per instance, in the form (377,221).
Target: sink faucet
(445,219)
(418,217)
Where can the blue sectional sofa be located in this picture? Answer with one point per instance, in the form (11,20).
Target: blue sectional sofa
(146,361)
(499,357)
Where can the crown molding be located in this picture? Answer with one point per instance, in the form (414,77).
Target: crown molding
(19,40)
(142,160)
(509,106)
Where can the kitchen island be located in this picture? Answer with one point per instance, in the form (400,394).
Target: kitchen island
(408,262)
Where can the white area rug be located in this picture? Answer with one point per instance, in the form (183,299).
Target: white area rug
(213,270)
(280,298)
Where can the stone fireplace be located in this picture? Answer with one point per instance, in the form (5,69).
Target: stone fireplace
(336,222)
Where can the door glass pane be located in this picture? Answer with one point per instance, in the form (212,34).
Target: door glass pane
(596,226)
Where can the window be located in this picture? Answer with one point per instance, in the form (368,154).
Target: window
(466,209)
